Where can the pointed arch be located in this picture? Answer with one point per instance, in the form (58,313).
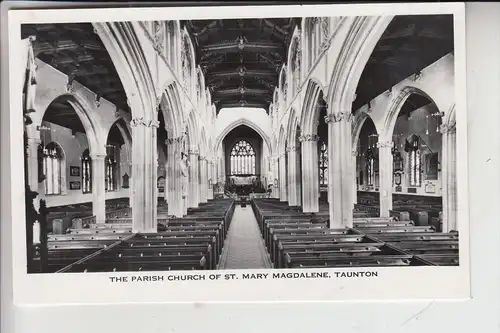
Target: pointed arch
(246,122)
(95,134)
(395,107)
(359,120)
(125,51)
(310,113)
(356,50)
(192,126)
(171,108)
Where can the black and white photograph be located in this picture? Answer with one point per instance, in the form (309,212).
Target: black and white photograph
(320,145)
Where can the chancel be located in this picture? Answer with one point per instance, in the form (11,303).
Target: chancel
(145,141)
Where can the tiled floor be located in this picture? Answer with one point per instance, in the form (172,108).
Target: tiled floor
(244,247)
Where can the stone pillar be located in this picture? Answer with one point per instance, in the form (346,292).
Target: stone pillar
(282,177)
(99,187)
(340,171)
(144,174)
(203,179)
(355,171)
(310,173)
(449,177)
(292,176)
(275,176)
(193,178)
(385,172)
(174,189)
(165,190)
(33,144)
(210,182)
(298,175)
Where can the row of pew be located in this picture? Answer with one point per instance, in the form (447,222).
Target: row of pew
(193,242)
(60,218)
(422,210)
(302,240)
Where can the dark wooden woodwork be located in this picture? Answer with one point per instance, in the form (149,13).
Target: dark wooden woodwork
(76,50)
(241,58)
(409,44)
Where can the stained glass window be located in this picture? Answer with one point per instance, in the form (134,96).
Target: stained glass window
(323,163)
(415,164)
(370,167)
(243,159)
(52,168)
(86,172)
(110,165)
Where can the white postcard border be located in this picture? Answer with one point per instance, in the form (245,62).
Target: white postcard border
(414,283)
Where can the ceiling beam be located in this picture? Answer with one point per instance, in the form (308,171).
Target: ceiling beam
(242,72)
(237,105)
(261,47)
(242,91)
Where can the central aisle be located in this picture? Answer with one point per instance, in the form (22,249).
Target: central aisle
(244,247)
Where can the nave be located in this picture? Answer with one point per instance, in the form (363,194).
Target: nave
(223,235)
(344,152)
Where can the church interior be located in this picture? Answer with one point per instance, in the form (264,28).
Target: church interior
(240,143)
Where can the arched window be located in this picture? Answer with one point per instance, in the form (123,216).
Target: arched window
(415,163)
(53,168)
(110,164)
(370,167)
(243,159)
(323,163)
(86,172)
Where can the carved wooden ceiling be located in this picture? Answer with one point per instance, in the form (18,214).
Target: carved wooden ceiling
(241,58)
(77,51)
(409,44)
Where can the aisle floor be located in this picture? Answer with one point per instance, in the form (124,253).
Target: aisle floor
(244,247)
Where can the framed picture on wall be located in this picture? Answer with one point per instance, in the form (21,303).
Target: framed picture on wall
(74,185)
(74,171)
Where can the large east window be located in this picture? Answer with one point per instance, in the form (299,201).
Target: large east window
(242,159)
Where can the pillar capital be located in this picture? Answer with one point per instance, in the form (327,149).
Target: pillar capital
(445,128)
(171,141)
(98,156)
(336,117)
(309,138)
(354,153)
(291,148)
(140,121)
(385,144)
(194,152)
